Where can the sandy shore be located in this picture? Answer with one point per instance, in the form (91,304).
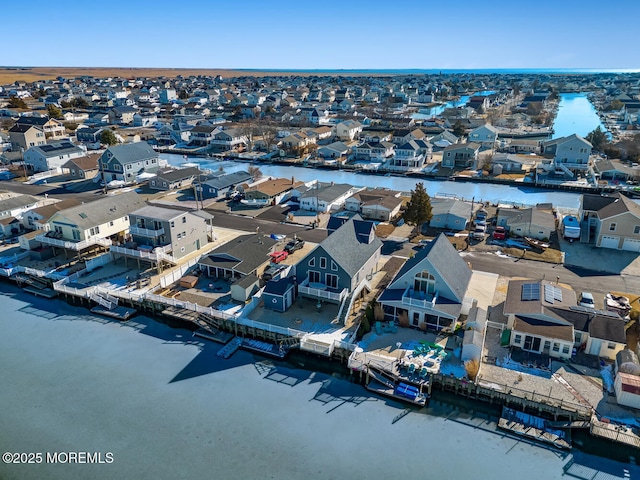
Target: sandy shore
(167,407)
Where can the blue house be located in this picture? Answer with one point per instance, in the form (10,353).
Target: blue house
(279,295)
(217,187)
(341,263)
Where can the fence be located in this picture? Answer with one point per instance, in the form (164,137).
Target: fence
(177,273)
(38,176)
(98,261)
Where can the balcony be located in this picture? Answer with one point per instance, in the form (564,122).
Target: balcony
(420,299)
(321,291)
(145,232)
(73,244)
(156,255)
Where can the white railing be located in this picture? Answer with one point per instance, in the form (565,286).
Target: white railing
(13,258)
(320,348)
(145,232)
(99,299)
(71,245)
(271,328)
(99,261)
(177,273)
(321,292)
(41,175)
(428,303)
(130,252)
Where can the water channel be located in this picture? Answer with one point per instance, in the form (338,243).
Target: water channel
(576,114)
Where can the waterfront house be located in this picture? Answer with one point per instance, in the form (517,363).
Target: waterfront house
(377,136)
(462,155)
(410,156)
(450,213)
(512,163)
(374,151)
(125,162)
(348,130)
(244,255)
(26,136)
(443,139)
(51,156)
(544,318)
(229,139)
(174,179)
(37,218)
(485,135)
(610,221)
(341,264)
(570,154)
(429,290)
(203,135)
(219,186)
(535,222)
(375,204)
(144,119)
(93,224)
(271,192)
(326,197)
(82,167)
(535,328)
(334,151)
(160,232)
(615,172)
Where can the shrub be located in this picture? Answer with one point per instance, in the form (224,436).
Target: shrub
(472,367)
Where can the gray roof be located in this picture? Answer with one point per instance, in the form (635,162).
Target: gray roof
(327,192)
(620,205)
(178,174)
(132,152)
(529,216)
(603,325)
(159,213)
(446,260)
(19,201)
(346,246)
(103,210)
(243,254)
(55,149)
(446,206)
(514,303)
(224,181)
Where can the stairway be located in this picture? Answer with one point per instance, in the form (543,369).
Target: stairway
(109,303)
(209,320)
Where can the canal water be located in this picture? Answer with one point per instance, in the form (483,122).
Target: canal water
(166,406)
(576,114)
(522,195)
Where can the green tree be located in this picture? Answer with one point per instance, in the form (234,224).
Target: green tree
(598,139)
(108,137)
(54,111)
(458,129)
(418,210)
(15,102)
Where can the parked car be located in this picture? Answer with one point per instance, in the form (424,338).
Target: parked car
(294,245)
(586,300)
(499,233)
(277,257)
(271,272)
(478,233)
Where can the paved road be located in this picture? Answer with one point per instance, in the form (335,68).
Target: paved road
(579,279)
(54,191)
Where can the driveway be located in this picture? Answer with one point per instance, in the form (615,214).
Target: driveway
(588,257)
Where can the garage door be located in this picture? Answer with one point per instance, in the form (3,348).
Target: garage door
(609,242)
(631,245)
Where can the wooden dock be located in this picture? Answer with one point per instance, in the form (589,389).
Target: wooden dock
(42,292)
(119,313)
(230,348)
(265,348)
(382,385)
(531,427)
(213,335)
(616,433)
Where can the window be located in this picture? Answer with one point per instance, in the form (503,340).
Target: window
(172,225)
(331,280)
(153,161)
(636,229)
(517,338)
(334,267)
(424,282)
(612,227)
(182,249)
(577,337)
(76,234)
(323,262)
(565,349)
(314,277)
(416,318)
(126,219)
(556,347)
(611,346)
(312,262)
(129,166)
(184,219)
(111,224)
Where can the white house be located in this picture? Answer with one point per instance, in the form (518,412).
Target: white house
(52,155)
(348,130)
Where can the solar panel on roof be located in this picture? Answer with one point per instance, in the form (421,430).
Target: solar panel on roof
(530,291)
(552,294)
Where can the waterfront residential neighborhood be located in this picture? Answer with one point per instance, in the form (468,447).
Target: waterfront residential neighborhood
(154,196)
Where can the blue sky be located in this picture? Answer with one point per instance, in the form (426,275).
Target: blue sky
(326,34)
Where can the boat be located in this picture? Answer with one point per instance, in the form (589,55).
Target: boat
(537,243)
(397,390)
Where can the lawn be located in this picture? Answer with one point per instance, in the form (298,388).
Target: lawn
(550,255)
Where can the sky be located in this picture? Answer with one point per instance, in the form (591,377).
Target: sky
(323,34)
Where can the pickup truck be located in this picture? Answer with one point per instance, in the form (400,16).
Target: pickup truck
(293,245)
